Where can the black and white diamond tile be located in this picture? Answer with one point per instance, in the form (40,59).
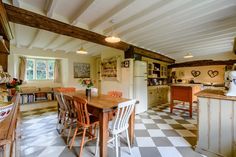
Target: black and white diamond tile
(157,133)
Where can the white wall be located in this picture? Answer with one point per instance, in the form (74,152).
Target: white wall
(67,61)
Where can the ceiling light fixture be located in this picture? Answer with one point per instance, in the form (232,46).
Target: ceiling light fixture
(188,55)
(81,51)
(112,38)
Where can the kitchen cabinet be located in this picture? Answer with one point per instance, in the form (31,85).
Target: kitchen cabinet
(158,95)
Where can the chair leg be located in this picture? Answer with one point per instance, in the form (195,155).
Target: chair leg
(68,137)
(97,144)
(82,143)
(73,138)
(128,142)
(116,145)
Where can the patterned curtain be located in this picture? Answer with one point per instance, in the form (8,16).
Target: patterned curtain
(22,68)
(57,71)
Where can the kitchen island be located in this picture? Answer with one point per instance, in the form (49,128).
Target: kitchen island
(184,93)
(216,124)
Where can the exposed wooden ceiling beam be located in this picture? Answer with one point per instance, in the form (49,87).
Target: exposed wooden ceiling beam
(4,24)
(81,10)
(110,14)
(21,16)
(50,7)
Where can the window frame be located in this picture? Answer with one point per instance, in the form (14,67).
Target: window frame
(35,69)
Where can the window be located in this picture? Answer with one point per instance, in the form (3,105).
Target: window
(40,69)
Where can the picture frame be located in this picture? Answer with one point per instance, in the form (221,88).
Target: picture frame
(81,70)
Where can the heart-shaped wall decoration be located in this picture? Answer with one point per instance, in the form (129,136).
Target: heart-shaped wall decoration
(195,73)
(212,73)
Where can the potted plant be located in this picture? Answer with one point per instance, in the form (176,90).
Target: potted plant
(88,83)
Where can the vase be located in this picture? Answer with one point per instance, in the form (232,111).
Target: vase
(88,93)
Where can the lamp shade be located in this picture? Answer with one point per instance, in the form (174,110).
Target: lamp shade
(112,39)
(81,51)
(188,55)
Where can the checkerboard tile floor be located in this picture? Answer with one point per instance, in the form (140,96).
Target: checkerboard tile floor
(157,133)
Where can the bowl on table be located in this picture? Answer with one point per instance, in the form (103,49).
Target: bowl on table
(5,109)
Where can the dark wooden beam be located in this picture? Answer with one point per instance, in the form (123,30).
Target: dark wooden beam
(202,63)
(234,46)
(24,17)
(4,24)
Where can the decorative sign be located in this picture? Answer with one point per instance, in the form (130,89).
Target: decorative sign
(81,70)
(195,73)
(212,73)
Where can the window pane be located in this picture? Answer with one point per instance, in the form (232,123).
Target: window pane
(51,64)
(41,70)
(30,75)
(30,69)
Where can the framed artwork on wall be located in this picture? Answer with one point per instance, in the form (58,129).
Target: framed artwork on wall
(81,70)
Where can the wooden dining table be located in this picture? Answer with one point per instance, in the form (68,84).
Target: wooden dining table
(103,106)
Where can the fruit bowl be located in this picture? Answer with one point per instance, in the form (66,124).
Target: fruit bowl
(5,109)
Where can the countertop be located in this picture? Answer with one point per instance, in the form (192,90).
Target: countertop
(185,84)
(215,94)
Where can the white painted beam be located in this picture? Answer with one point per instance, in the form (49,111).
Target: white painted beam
(51,5)
(16,3)
(140,14)
(81,10)
(36,37)
(52,42)
(182,19)
(109,15)
(17,35)
(185,31)
(59,47)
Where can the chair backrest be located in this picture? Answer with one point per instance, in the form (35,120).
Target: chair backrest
(81,109)
(124,111)
(69,103)
(60,101)
(116,94)
(66,89)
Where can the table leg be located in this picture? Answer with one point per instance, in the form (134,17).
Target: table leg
(131,127)
(190,109)
(171,105)
(103,133)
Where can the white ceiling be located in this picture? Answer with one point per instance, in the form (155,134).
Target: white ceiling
(170,27)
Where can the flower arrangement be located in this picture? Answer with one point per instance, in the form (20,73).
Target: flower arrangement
(88,83)
(14,84)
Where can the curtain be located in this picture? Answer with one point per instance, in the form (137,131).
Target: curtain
(22,68)
(57,71)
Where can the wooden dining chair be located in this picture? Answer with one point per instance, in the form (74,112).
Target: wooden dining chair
(72,115)
(121,123)
(87,122)
(62,112)
(116,94)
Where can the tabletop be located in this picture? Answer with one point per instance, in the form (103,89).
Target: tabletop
(102,101)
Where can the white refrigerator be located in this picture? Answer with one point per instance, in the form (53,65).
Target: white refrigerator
(140,86)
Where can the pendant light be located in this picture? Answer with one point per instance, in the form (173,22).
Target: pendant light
(112,38)
(188,55)
(81,50)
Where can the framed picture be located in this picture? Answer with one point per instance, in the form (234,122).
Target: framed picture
(81,70)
